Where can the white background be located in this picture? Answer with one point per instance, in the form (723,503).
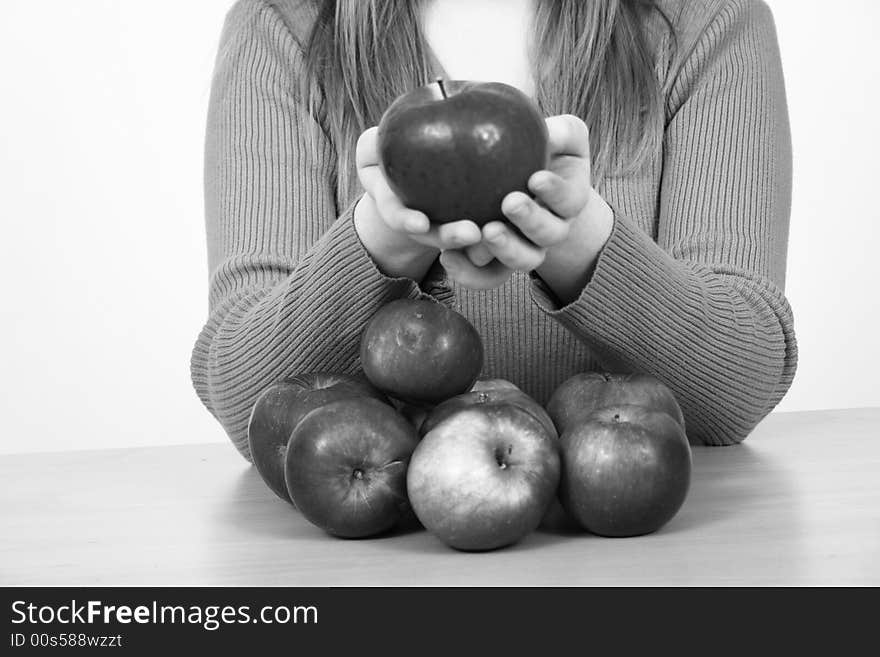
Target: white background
(102,110)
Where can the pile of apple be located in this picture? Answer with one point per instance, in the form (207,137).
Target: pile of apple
(479,462)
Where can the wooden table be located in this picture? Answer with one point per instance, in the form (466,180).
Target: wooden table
(797,504)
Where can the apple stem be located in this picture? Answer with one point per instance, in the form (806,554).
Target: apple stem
(499,457)
(358,473)
(442,88)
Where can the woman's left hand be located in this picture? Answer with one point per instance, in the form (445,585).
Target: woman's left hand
(561,231)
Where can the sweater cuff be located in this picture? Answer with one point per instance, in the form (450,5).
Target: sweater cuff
(631,283)
(345,249)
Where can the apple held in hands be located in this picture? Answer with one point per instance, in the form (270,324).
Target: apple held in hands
(484,477)
(626,470)
(281,406)
(455,149)
(346,466)
(420,351)
(585,393)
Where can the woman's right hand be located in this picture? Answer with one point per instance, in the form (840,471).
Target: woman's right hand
(401,241)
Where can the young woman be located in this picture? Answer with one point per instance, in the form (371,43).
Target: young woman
(655,241)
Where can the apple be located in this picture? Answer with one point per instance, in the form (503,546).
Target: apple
(502,393)
(484,477)
(421,352)
(584,393)
(282,405)
(455,149)
(345,466)
(416,414)
(626,470)
(493,384)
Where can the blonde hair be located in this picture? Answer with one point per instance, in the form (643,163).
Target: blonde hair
(590,58)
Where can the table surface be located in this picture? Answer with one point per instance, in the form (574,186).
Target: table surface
(797,504)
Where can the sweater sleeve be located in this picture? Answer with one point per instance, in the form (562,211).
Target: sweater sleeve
(702,307)
(291,285)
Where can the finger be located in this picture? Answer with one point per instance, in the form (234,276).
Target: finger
(570,167)
(367,149)
(511,249)
(537,223)
(479,254)
(458,234)
(568,135)
(461,269)
(388,205)
(452,235)
(564,197)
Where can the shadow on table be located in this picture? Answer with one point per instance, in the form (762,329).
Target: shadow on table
(252,508)
(726,483)
(730,482)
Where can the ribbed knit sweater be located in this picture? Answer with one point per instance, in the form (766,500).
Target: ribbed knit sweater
(689,286)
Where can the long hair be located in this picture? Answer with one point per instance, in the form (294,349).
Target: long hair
(590,58)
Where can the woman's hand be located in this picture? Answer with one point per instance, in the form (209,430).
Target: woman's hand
(560,232)
(400,240)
